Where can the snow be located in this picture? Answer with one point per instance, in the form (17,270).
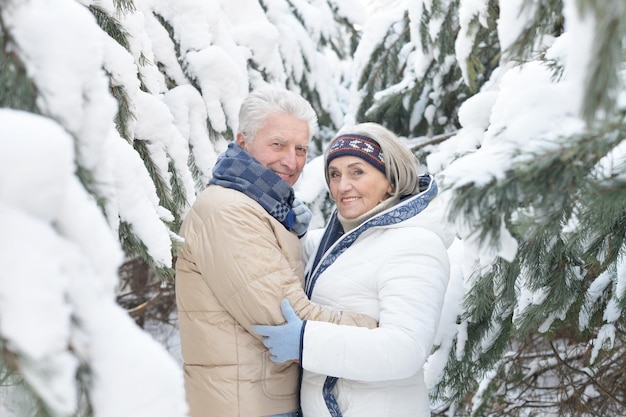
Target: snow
(61,260)
(513,19)
(60,253)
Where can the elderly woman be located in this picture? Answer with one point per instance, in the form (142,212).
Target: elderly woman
(382,254)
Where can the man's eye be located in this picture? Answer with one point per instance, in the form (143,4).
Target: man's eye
(301,151)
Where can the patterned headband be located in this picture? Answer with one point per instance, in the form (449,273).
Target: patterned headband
(360,146)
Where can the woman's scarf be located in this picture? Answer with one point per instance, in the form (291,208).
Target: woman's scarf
(238,170)
(334,243)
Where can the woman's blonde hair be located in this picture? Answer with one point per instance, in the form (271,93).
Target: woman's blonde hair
(400,164)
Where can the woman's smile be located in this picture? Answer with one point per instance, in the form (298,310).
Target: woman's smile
(356,185)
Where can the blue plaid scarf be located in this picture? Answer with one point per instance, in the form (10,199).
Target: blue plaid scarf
(334,243)
(238,170)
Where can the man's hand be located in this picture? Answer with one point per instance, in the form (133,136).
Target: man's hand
(303,217)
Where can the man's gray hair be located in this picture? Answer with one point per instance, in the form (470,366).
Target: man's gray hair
(270,100)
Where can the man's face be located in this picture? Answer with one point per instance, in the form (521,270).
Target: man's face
(280,145)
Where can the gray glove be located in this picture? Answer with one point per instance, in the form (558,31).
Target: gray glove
(303,217)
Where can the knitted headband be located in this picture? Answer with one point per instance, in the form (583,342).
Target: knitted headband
(360,146)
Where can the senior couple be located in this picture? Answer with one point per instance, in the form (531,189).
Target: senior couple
(278,321)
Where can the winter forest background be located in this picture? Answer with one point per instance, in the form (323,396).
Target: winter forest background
(113,112)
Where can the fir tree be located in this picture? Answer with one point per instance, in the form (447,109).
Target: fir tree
(409,80)
(564,206)
(554,310)
(166,92)
(563,203)
(316,61)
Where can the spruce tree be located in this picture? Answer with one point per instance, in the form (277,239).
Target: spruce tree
(554,310)
(409,80)
(560,352)
(316,43)
(165,100)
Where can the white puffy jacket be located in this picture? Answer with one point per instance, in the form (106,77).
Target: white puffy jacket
(397,274)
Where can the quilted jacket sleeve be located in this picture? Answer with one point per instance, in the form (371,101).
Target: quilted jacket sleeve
(254,259)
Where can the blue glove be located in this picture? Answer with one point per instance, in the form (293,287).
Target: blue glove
(303,217)
(283,340)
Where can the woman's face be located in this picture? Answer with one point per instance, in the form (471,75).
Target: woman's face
(356,186)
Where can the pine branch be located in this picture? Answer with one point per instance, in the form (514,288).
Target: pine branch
(179,195)
(25,397)
(198,177)
(124,115)
(547,20)
(111,25)
(134,247)
(17,91)
(124,5)
(603,82)
(162,186)
(172,36)
(384,69)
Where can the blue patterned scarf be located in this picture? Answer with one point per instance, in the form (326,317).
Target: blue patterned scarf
(334,243)
(238,170)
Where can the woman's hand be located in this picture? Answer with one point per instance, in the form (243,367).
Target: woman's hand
(283,341)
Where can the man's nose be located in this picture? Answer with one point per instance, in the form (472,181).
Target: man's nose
(289,159)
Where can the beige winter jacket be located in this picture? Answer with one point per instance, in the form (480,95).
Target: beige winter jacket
(236,265)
